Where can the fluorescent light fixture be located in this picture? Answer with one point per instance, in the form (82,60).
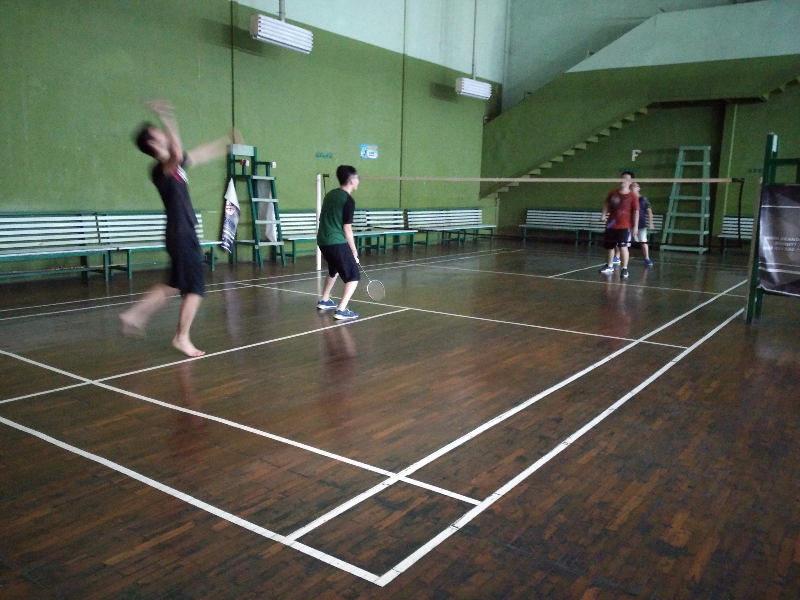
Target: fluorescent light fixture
(473,88)
(280,33)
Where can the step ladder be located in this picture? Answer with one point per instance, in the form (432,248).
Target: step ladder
(243,164)
(688,215)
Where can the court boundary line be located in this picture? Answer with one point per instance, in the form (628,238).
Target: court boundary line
(130,294)
(576,270)
(112,304)
(499,321)
(457,525)
(426,460)
(274,437)
(204,506)
(646,287)
(236,284)
(291,540)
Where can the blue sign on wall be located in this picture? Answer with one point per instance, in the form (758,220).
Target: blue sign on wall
(369,150)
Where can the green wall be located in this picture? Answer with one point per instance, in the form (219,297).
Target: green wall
(658,135)
(704,98)
(743,146)
(75,74)
(547,37)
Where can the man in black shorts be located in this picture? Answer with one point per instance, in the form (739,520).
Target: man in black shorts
(187,272)
(621,214)
(337,244)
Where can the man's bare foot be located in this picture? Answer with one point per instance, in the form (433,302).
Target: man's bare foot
(130,325)
(186,347)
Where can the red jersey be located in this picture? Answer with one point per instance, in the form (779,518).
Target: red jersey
(621,209)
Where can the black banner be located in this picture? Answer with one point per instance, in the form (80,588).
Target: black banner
(779,240)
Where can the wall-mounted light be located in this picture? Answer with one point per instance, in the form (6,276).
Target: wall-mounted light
(471,87)
(281,33)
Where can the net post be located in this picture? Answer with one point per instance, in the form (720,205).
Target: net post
(767,178)
(318,211)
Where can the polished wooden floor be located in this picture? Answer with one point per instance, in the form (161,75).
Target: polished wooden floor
(507,423)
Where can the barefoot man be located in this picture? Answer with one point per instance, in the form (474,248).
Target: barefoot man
(187,272)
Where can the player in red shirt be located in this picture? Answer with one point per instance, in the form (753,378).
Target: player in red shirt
(621,215)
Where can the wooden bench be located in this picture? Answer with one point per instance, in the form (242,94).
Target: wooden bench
(446,221)
(578,221)
(387,221)
(50,235)
(298,226)
(301,226)
(730,229)
(39,236)
(141,231)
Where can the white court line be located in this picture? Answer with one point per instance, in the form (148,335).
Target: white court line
(103,298)
(110,304)
(665,260)
(403,474)
(606,282)
(231,518)
(44,366)
(465,519)
(447,314)
(486,426)
(235,285)
(234,424)
(577,270)
(248,346)
(59,389)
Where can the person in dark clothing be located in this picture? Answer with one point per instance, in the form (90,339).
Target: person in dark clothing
(187,270)
(336,242)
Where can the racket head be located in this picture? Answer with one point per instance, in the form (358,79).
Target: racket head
(375,290)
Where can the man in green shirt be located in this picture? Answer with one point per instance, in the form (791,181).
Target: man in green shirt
(336,242)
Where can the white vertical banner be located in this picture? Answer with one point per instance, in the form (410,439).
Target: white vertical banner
(271,229)
(230,217)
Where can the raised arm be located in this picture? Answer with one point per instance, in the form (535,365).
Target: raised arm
(214,149)
(164,110)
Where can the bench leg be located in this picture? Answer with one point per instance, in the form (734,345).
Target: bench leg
(106,269)
(130,266)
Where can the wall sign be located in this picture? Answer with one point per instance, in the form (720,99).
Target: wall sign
(369,150)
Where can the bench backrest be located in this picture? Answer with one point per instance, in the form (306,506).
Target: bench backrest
(730,226)
(43,230)
(298,222)
(584,220)
(137,227)
(378,218)
(443,217)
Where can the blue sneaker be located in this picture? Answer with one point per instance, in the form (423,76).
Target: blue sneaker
(345,315)
(615,262)
(648,262)
(326,304)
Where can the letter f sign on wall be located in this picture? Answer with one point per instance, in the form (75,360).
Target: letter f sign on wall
(634,154)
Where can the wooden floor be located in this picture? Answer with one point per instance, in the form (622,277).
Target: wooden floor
(507,423)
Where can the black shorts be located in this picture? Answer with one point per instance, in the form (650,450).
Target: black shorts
(340,260)
(188,270)
(614,238)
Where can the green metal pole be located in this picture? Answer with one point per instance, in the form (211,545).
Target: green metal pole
(768,178)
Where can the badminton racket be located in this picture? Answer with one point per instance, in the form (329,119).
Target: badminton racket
(375,289)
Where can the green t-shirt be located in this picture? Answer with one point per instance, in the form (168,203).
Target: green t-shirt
(338,208)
